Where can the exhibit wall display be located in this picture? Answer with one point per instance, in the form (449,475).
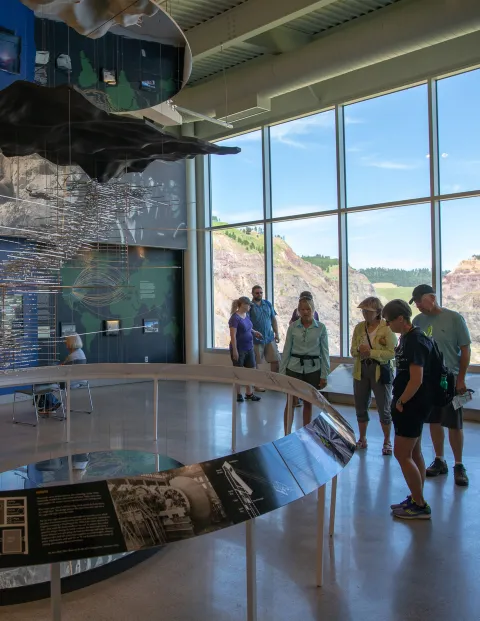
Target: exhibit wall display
(107,286)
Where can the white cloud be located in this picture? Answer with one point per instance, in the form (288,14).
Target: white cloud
(444,155)
(286,132)
(373,162)
(351,120)
(255,136)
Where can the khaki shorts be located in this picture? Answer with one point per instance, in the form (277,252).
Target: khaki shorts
(266,353)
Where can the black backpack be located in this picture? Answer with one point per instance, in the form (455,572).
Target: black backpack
(440,379)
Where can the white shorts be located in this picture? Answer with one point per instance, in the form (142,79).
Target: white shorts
(266,353)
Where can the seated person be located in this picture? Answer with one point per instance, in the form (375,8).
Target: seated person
(49,403)
(74,344)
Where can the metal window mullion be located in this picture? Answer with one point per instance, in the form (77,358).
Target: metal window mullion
(205,249)
(434,188)
(267,215)
(342,229)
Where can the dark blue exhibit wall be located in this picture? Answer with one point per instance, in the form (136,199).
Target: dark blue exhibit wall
(17,19)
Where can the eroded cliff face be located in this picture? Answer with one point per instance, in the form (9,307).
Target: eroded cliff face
(461,292)
(237,269)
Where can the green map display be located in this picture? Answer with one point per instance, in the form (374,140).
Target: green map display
(143,284)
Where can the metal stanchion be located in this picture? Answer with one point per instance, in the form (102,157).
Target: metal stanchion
(55,592)
(234,417)
(333,505)
(320,525)
(289,413)
(68,410)
(251,571)
(155,409)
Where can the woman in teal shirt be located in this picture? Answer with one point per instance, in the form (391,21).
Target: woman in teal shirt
(305,355)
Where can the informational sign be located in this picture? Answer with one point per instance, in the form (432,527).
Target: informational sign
(67,522)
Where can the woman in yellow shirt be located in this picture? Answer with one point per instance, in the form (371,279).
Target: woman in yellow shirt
(373,350)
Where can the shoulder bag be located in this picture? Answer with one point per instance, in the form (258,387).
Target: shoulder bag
(386,374)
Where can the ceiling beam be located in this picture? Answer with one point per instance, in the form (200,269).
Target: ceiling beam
(247,20)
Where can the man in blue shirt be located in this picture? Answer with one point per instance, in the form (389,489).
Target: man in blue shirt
(264,319)
(450,331)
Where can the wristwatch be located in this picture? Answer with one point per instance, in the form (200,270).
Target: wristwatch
(400,402)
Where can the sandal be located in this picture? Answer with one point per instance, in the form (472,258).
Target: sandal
(387,448)
(362,443)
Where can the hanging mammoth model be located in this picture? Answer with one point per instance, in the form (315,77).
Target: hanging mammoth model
(93,18)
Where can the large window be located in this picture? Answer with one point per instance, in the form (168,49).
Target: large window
(362,247)
(305,258)
(386,145)
(389,253)
(237,186)
(461,263)
(238,265)
(304,172)
(459,132)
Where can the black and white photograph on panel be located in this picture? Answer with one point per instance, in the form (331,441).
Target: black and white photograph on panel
(252,482)
(168,506)
(323,432)
(339,424)
(309,461)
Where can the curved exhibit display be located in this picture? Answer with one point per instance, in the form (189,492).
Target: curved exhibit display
(58,471)
(136,512)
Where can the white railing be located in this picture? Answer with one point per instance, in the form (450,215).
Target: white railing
(201,373)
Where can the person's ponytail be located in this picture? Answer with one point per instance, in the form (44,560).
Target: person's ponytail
(235,305)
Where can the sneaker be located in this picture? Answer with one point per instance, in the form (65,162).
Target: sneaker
(252,397)
(412,511)
(240,398)
(460,475)
(438,466)
(404,503)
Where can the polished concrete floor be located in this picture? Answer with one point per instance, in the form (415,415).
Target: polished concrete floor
(376,568)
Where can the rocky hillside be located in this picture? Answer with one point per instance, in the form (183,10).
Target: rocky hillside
(461,292)
(238,266)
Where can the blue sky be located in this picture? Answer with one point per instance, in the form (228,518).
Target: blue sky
(387,159)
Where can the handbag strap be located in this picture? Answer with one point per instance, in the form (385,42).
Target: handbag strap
(368,338)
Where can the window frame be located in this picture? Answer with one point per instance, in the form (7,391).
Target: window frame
(434,199)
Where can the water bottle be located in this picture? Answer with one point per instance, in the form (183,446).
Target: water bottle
(443,382)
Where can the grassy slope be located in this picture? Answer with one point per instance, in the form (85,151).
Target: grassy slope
(392,292)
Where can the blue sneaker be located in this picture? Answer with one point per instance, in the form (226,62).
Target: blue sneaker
(412,511)
(404,503)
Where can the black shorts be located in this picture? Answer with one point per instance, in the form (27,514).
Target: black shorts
(245,359)
(447,416)
(311,378)
(409,423)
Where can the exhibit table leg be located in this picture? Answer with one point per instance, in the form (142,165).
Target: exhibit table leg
(234,417)
(155,409)
(251,572)
(289,413)
(55,592)
(70,469)
(320,528)
(333,505)
(68,410)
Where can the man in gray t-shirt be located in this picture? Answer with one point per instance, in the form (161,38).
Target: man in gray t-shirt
(450,331)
